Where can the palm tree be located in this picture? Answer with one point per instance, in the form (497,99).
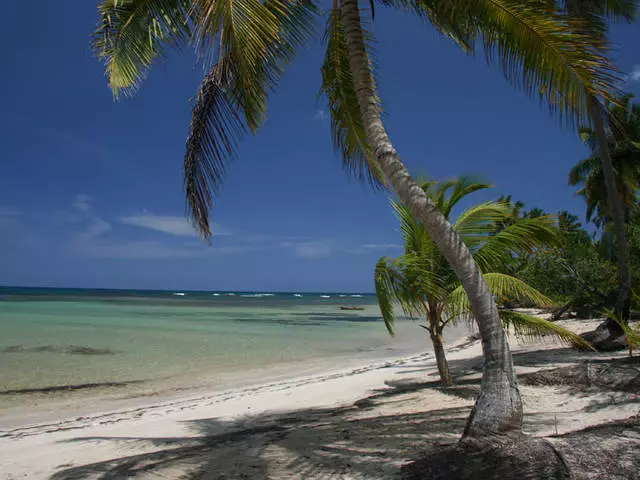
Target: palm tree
(422,283)
(624,146)
(608,210)
(246,44)
(593,15)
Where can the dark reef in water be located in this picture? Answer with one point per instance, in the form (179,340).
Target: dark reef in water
(66,388)
(70,350)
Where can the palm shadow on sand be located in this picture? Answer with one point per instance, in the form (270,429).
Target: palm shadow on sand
(369,439)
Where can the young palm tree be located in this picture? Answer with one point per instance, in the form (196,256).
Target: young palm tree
(422,283)
(245,45)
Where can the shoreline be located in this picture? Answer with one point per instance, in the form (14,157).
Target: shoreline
(358,422)
(178,399)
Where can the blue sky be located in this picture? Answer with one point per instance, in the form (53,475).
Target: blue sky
(91,190)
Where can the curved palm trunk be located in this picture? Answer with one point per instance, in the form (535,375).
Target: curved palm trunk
(498,408)
(624,277)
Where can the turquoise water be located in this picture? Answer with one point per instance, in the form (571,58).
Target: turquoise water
(67,337)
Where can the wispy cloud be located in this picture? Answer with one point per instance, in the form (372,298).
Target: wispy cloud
(634,76)
(381,246)
(321,115)
(310,249)
(110,249)
(154,249)
(9,211)
(8,214)
(168,224)
(82,203)
(94,226)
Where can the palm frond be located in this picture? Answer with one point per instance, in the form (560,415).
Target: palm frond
(534,328)
(523,236)
(427,274)
(477,223)
(255,41)
(507,288)
(460,188)
(463,35)
(216,128)
(503,287)
(541,51)
(392,289)
(132,33)
(347,126)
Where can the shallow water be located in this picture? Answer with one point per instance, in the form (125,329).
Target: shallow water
(156,340)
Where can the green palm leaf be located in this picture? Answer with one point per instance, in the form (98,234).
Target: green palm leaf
(523,236)
(255,41)
(347,127)
(462,34)
(476,223)
(132,33)
(392,289)
(534,328)
(502,286)
(541,51)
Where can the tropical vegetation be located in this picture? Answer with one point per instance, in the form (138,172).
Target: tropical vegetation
(245,45)
(423,285)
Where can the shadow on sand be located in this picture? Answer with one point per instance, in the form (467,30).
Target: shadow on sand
(371,439)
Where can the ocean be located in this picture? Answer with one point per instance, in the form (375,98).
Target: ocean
(56,343)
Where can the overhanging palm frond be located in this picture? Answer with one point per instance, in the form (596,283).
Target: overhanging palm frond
(392,289)
(216,128)
(533,328)
(132,33)
(523,236)
(347,127)
(255,40)
(463,35)
(542,52)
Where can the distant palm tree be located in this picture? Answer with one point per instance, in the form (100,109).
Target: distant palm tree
(423,284)
(624,146)
(612,211)
(245,45)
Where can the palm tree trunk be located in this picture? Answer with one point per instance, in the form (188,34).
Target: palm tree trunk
(623,302)
(441,359)
(498,408)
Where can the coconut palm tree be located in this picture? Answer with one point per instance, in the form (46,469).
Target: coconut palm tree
(624,147)
(245,45)
(422,283)
(594,15)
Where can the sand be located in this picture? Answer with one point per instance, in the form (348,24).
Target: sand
(355,423)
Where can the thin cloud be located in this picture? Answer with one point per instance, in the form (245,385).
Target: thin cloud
(311,249)
(153,249)
(634,76)
(8,215)
(170,224)
(381,246)
(95,226)
(82,203)
(9,211)
(321,115)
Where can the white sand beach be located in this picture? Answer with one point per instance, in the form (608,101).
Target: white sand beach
(355,423)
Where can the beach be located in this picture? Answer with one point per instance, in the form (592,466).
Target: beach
(359,422)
